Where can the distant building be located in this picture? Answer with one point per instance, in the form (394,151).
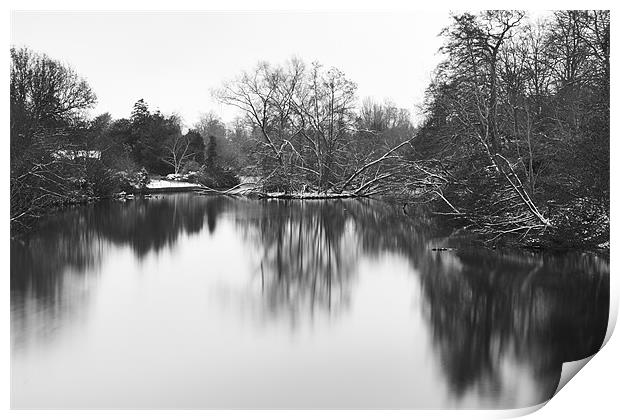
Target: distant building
(74,154)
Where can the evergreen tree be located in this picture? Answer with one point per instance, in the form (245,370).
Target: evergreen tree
(196,146)
(140,112)
(211,157)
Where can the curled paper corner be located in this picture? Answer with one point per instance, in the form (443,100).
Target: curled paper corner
(569,370)
(520,412)
(613,314)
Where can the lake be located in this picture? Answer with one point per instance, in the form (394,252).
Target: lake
(188,301)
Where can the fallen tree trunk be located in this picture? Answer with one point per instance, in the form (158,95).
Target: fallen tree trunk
(283,195)
(310,196)
(254,189)
(386,155)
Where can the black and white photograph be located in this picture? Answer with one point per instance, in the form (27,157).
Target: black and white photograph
(278,209)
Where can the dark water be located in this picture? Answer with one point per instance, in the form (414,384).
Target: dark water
(208,302)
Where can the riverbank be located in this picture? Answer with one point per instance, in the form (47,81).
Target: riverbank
(552,240)
(154,186)
(164,185)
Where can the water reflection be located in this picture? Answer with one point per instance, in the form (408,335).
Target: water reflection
(49,269)
(308,255)
(489,308)
(153,224)
(44,294)
(497,325)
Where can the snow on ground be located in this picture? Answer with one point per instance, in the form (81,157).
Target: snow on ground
(164,183)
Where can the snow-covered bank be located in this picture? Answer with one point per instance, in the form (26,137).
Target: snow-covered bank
(161,185)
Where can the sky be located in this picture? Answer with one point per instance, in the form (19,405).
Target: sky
(174,59)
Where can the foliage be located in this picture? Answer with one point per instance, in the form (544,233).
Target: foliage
(515,142)
(191,166)
(217,177)
(150,136)
(304,130)
(518,123)
(48,101)
(180,150)
(211,153)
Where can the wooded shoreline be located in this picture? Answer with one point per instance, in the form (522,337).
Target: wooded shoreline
(514,144)
(543,244)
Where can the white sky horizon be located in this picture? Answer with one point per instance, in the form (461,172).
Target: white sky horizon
(173,59)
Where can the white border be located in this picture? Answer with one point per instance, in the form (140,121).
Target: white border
(592,394)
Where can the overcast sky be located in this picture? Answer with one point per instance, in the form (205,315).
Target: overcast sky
(173,59)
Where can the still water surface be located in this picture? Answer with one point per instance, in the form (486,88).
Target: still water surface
(187,301)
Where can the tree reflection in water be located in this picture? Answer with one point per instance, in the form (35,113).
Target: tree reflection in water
(487,308)
(49,266)
(488,311)
(309,253)
(484,309)
(151,225)
(42,290)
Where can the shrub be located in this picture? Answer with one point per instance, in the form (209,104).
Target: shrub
(102,181)
(191,166)
(142,179)
(132,181)
(217,177)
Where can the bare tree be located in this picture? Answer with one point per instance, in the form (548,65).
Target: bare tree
(48,100)
(475,45)
(324,108)
(264,96)
(178,152)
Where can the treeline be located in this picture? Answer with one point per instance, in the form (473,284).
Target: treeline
(48,103)
(516,138)
(514,144)
(309,134)
(153,144)
(59,156)
(302,132)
